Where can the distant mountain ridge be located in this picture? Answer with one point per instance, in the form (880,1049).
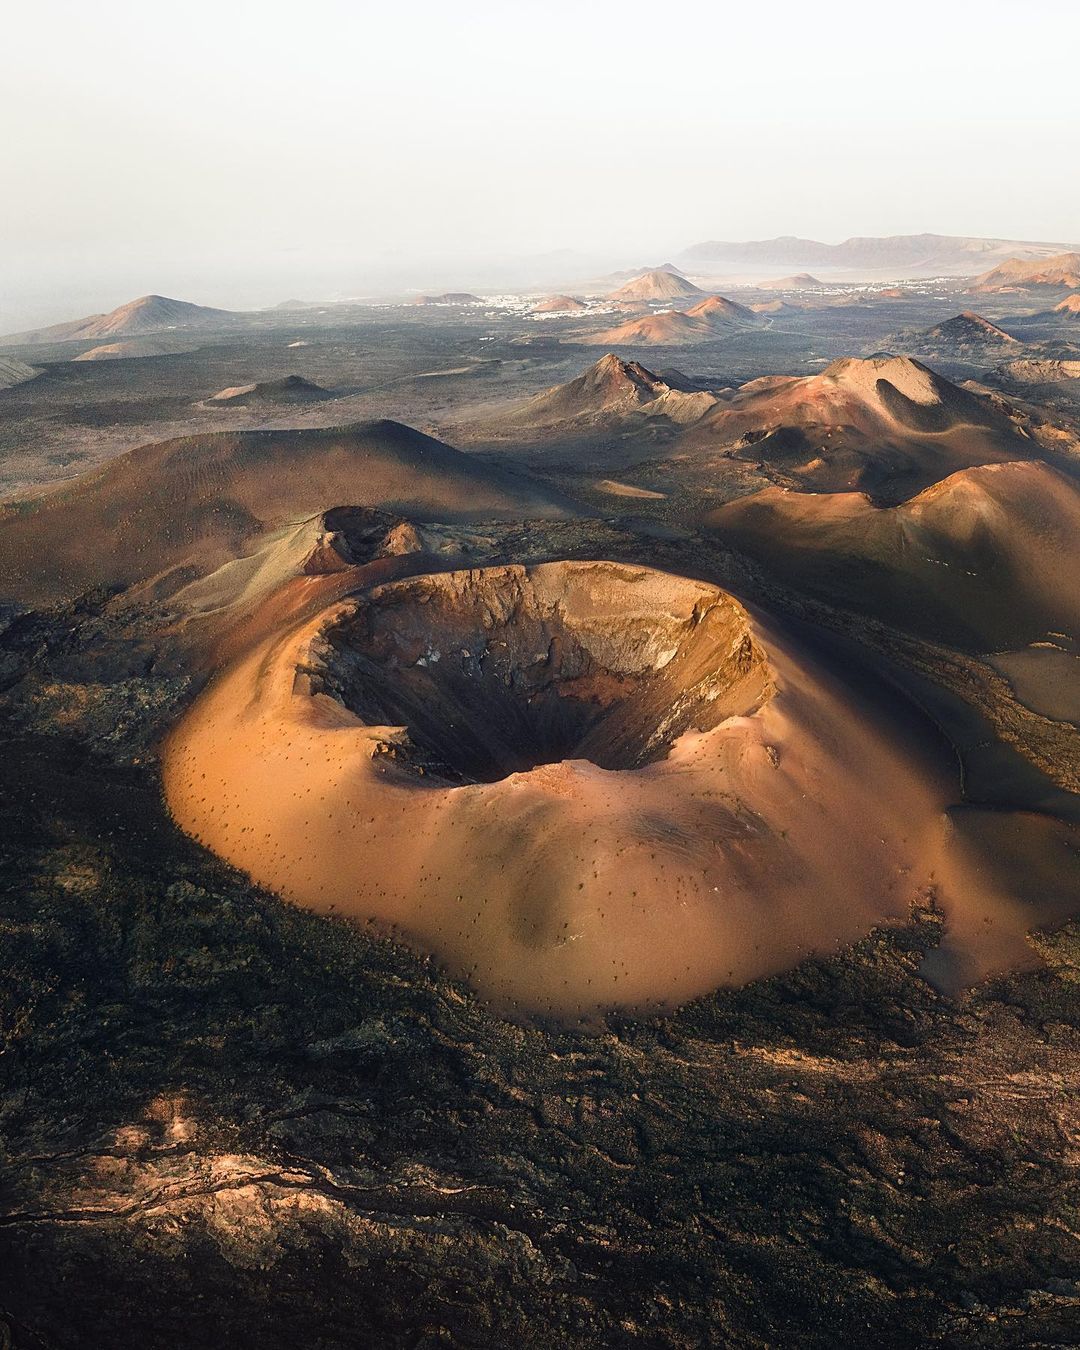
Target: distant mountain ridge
(925,253)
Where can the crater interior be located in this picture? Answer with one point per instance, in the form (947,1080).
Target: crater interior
(500,670)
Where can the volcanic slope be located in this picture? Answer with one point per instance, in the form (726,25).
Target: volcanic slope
(969,332)
(559,304)
(580,785)
(798,282)
(132,348)
(670,329)
(656,285)
(984,560)
(289,389)
(612,388)
(187,506)
(719,313)
(1037,370)
(13,372)
(711,318)
(148,314)
(1018,274)
(885,425)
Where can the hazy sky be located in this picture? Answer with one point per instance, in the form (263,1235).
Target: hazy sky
(234,152)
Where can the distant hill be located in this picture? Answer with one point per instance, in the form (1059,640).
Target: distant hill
(1020,274)
(914,254)
(613,387)
(969,331)
(1070,307)
(800,281)
(656,285)
(559,304)
(289,389)
(709,318)
(628,273)
(449,298)
(148,314)
(719,313)
(670,329)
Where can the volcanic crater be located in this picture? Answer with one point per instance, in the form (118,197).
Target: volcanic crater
(500,670)
(578,784)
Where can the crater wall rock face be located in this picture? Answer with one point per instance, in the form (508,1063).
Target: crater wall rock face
(497,671)
(579,785)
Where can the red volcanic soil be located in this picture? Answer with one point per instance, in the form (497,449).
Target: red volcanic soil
(1021,275)
(671,329)
(711,317)
(886,425)
(580,785)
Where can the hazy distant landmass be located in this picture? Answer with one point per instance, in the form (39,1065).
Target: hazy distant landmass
(919,253)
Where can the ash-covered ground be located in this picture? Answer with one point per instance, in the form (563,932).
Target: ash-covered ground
(225,1120)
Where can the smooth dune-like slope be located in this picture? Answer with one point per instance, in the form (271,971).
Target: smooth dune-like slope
(132,348)
(196,502)
(886,425)
(672,329)
(986,559)
(288,389)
